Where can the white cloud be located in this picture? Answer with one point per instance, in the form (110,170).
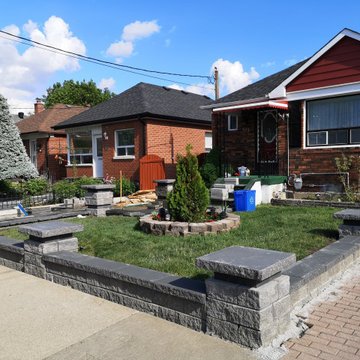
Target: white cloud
(200,89)
(120,48)
(24,76)
(131,32)
(139,30)
(290,62)
(30,26)
(106,83)
(172,29)
(167,42)
(268,64)
(232,76)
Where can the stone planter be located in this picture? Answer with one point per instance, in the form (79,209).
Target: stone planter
(176,228)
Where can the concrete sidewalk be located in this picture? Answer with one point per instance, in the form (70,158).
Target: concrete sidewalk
(39,319)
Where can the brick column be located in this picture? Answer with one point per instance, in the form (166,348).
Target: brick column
(44,238)
(98,198)
(248,299)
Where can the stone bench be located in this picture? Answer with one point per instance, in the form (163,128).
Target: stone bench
(248,299)
(351,222)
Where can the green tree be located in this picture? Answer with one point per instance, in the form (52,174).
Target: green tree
(14,161)
(190,197)
(76,93)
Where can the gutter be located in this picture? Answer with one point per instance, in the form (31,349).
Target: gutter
(232,103)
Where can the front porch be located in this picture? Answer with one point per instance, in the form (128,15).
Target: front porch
(254,137)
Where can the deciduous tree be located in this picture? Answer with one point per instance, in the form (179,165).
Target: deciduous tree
(76,93)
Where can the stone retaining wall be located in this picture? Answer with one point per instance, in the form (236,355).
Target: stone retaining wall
(248,292)
(176,228)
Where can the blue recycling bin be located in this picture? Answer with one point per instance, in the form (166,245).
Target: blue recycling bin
(244,200)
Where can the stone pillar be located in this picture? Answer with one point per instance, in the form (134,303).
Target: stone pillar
(98,198)
(44,238)
(163,187)
(248,299)
(351,222)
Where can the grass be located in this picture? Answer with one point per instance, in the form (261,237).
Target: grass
(290,229)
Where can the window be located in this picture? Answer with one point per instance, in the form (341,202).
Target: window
(124,143)
(208,141)
(232,122)
(80,145)
(334,121)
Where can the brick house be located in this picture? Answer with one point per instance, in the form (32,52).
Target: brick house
(44,145)
(146,119)
(298,120)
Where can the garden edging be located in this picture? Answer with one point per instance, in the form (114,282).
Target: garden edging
(176,228)
(207,307)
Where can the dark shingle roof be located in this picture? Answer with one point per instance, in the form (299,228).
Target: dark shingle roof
(260,88)
(145,100)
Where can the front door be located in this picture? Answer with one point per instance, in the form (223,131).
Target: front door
(98,157)
(267,154)
(33,152)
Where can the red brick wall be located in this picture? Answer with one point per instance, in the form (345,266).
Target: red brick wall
(239,145)
(167,139)
(129,168)
(81,171)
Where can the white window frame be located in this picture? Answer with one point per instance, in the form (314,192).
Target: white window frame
(208,148)
(229,122)
(323,146)
(126,147)
(81,155)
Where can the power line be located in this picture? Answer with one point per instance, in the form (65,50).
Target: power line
(103,62)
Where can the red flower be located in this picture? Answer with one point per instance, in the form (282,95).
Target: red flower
(236,174)
(159,216)
(211,220)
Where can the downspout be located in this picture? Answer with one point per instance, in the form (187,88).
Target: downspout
(144,135)
(288,144)
(47,157)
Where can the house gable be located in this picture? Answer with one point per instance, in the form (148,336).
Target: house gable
(339,65)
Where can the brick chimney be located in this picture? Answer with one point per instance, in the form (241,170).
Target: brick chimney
(39,106)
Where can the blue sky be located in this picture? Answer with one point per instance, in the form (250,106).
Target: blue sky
(247,40)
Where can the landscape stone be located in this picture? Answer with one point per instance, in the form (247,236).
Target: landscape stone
(50,229)
(247,263)
(348,214)
(98,187)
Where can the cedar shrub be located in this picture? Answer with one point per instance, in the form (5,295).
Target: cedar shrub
(189,199)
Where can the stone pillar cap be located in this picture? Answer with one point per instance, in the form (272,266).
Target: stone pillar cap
(246,263)
(164,181)
(50,229)
(98,187)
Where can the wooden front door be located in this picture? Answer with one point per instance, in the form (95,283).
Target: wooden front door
(152,167)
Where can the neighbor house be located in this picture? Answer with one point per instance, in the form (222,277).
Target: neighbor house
(46,147)
(298,120)
(145,123)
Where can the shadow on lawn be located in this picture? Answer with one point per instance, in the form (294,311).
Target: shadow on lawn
(331,234)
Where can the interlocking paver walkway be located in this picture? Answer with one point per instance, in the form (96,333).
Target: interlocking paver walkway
(335,327)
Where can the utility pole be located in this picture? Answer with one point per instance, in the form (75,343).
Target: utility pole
(216,77)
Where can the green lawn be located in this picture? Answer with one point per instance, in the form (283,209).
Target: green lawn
(290,229)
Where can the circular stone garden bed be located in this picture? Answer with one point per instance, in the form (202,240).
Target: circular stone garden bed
(176,228)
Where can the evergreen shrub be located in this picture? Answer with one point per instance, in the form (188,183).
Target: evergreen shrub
(190,197)
(211,169)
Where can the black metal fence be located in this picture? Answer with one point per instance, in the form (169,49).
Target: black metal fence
(11,201)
